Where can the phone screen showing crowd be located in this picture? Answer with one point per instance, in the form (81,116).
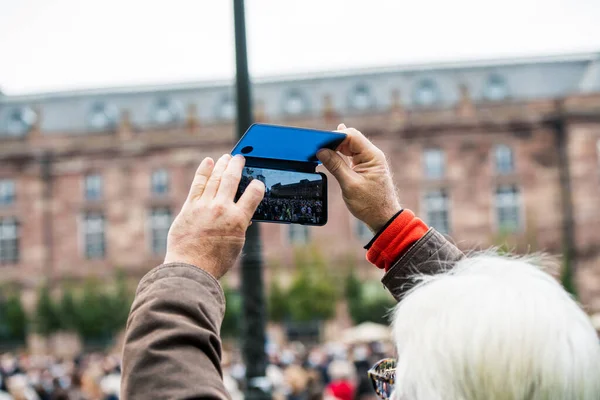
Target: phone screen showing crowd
(294,197)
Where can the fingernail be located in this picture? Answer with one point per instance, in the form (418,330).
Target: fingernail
(239,156)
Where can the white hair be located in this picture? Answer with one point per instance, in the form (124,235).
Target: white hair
(494,328)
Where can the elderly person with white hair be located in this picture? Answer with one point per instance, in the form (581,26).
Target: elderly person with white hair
(483,327)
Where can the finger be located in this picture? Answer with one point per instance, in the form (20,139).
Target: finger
(357,146)
(336,165)
(231,179)
(215,178)
(252,197)
(341,127)
(200,178)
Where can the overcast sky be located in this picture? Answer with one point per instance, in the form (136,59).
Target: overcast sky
(273,177)
(50,45)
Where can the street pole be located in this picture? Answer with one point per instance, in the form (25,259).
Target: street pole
(253,337)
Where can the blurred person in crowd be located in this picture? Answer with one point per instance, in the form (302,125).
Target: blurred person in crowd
(342,386)
(19,388)
(296,381)
(75,391)
(362,364)
(172,346)
(89,377)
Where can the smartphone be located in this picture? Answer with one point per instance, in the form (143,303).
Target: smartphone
(290,197)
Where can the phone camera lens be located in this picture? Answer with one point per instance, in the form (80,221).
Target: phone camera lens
(247,149)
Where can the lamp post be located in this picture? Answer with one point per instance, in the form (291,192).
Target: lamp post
(253,336)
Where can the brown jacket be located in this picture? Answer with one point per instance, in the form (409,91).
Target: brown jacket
(172,345)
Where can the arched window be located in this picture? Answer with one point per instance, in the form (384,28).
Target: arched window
(495,88)
(166,111)
(426,93)
(102,115)
(20,121)
(361,98)
(295,103)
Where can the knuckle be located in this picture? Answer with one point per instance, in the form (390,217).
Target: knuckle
(353,186)
(256,190)
(230,175)
(335,165)
(218,208)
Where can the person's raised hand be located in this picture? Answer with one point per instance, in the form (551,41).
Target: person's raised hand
(365,178)
(210,230)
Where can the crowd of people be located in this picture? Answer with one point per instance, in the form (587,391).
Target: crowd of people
(91,376)
(298,372)
(295,372)
(290,210)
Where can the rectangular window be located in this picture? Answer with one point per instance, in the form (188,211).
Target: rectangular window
(93,187)
(504,159)
(160,222)
(7,192)
(362,231)
(298,234)
(437,210)
(94,236)
(508,209)
(159,181)
(9,241)
(434,163)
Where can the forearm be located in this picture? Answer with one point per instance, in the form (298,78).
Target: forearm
(172,345)
(406,248)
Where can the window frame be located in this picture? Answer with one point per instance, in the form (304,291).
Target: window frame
(447,210)
(518,204)
(86,187)
(11,195)
(85,234)
(362,231)
(291,236)
(442,163)
(503,150)
(154,185)
(153,230)
(15,239)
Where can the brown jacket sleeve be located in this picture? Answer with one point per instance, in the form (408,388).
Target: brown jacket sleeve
(172,345)
(430,255)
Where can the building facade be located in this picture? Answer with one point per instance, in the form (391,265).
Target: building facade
(503,152)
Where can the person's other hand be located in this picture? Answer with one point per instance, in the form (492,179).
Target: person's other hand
(365,178)
(210,230)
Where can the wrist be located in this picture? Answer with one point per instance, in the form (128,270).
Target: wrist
(377,224)
(203,264)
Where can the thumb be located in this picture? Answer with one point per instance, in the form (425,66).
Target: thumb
(252,197)
(335,164)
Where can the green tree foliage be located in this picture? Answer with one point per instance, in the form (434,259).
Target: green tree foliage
(13,319)
(313,294)
(278,302)
(233,313)
(47,316)
(119,303)
(68,310)
(367,301)
(95,311)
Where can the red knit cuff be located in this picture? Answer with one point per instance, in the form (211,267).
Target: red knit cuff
(396,239)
